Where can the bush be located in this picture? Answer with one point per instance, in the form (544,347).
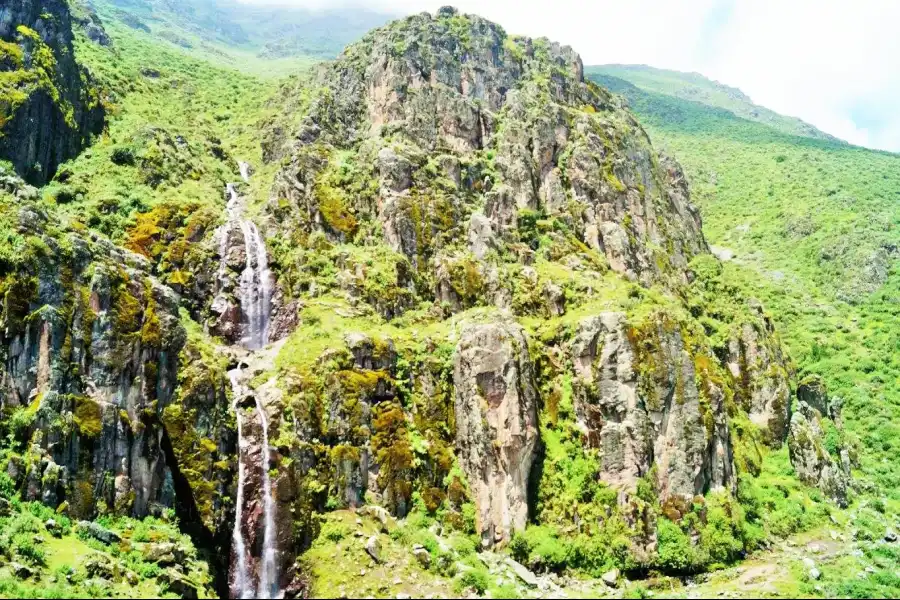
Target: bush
(24,546)
(476,579)
(334,531)
(122,157)
(675,554)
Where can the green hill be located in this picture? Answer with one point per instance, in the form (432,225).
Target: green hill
(814,225)
(697,88)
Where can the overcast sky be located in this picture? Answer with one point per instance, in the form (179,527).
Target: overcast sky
(835,64)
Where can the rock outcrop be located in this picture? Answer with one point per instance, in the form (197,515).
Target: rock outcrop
(496,403)
(50,109)
(447,112)
(90,350)
(645,397)
(811,460)
(759,367)
(818,451)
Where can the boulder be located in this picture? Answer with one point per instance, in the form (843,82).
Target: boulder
(524,575)
(373,548)
(164,554)
(611,578)
(422,555)
(101,567)
(99,533)
(21,571)
(53,527)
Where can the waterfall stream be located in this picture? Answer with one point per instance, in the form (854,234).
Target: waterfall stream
(255,297)
(241,578)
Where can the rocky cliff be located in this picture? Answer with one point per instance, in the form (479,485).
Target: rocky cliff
(538,267)
(49,108)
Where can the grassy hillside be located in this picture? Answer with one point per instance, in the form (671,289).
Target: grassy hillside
(258,39)
(813,226)
(697,88)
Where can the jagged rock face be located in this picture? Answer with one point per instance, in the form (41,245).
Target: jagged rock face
(51,112)
(810,458)
(496,424)
(762,373)
(90,346)
(444,113)
(642,398)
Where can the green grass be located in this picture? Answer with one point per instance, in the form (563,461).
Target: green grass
(59,563)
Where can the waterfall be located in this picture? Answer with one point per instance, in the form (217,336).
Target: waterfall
(268,584)
(241,578)
(255,297)
(256,280)
(256,288)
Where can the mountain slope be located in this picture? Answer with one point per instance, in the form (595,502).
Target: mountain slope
(813,226)
(696,88)
(235,33)
(438,312)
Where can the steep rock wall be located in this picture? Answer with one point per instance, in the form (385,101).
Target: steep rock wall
(49,107)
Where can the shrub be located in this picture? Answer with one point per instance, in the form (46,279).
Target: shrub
(24,546)
(675,554)
(476,579)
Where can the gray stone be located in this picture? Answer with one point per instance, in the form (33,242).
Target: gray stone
(21,571)
(423,556)
(100,533)
(526,576)
(611,578)
(373,548)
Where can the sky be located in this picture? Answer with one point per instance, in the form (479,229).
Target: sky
(834,64)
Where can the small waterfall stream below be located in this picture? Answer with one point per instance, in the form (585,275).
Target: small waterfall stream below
(255,298)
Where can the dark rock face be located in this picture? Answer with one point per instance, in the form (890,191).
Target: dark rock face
(89,350)
(54,109)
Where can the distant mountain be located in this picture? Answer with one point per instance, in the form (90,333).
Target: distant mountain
(697,88)
(272,32)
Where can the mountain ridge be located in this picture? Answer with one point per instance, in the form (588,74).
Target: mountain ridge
(695,86)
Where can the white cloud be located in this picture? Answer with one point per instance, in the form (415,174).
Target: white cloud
(833,63)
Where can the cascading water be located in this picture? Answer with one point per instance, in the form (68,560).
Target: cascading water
(268,584)
(255,296)
(241,576)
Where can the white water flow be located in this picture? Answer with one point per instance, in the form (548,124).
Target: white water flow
(255,296)
(256,279)
(241,579)
(268,578)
